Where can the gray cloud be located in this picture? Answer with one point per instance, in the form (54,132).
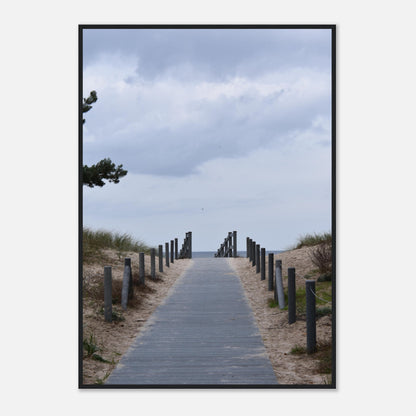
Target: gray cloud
(171,128)
(211,53)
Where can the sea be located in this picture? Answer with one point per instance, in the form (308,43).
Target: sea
(207,254)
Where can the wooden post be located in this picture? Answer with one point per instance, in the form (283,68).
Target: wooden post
(167,254)
(271,256)
(257,258)
(125,291)
(310,317)
(263,264)
(152,263)
(141,268)
(108,300)
(160,258)
(234,243)
(190,244)
(253,255)
(247,242)
(279,293)
(291,293)
(128,262)
(172,251)
(176,249)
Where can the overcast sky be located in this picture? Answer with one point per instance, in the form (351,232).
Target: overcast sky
(220,130)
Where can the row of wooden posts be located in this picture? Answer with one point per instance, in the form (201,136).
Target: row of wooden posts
(229,247)
(127,287)
(257,257)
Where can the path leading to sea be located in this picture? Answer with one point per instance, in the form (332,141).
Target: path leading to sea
(203,334)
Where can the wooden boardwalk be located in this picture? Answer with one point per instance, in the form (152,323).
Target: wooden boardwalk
(203,334)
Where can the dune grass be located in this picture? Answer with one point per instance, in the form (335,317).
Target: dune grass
(309,240)
(93,242)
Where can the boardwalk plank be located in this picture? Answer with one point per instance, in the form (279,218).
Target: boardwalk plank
(203,334)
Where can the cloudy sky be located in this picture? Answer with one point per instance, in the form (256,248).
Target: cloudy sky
(220,130)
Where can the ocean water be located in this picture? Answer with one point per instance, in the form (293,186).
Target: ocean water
(206,254)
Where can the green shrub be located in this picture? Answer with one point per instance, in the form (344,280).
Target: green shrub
(327,277)
(298,350)
(319,312)
(90,346)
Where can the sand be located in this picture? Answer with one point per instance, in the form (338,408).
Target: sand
(278,336)
(113,339)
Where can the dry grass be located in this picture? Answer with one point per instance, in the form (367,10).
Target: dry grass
(321,257)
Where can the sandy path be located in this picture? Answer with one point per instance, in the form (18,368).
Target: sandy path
(278,336)
(113,339)
(203,334)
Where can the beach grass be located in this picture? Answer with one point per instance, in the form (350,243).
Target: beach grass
(95,241)
(309,240)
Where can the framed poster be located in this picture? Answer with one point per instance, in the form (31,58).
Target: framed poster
(207,206)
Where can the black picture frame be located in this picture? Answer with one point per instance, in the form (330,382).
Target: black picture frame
(330,27)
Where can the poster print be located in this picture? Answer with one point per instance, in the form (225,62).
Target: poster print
(207,206)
